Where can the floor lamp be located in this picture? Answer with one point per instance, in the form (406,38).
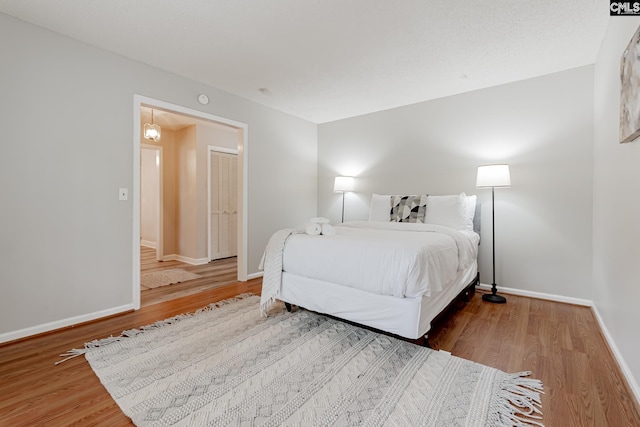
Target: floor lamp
(342,184)
(493,176)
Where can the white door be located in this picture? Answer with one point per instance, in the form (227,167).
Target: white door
(224,205)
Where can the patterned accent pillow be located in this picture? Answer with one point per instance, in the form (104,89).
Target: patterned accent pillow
(408,208)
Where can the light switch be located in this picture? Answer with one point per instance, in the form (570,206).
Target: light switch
(123,194)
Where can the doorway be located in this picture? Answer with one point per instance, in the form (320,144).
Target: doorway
(192,252)
(151,201)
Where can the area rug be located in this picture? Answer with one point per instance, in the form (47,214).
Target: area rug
(155,279)
(226,365)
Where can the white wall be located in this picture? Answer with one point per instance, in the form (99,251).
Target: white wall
(542,127)
(225,137)
(167,145)
(149,196)
(65,239)
(616,207)
(186,192)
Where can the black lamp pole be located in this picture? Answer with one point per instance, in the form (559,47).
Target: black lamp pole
(493,296)
(343,206)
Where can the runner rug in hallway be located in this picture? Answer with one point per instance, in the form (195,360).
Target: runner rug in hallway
(155,279)
(225,365)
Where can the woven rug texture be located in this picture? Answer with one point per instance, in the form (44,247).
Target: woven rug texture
(226,365)
(155,279)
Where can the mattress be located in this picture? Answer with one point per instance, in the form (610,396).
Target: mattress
(406,317)
(392,259)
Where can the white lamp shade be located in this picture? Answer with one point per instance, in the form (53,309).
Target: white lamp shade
(493,176)
(343,183)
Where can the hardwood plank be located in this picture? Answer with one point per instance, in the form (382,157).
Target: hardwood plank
(559,343)
(36,392)
(213,274)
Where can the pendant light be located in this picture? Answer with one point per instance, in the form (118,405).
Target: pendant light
(152,131)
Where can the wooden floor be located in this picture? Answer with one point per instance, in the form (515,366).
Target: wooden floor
(212,275)
(559,343)
(35,392)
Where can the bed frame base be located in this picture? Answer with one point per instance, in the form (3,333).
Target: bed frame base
(466,294)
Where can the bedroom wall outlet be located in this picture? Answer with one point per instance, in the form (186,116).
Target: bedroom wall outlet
(123,194)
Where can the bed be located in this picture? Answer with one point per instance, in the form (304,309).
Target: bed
(395,273)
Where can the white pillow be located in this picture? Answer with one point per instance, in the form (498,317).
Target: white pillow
(450,211)
(380,209)
(471,212)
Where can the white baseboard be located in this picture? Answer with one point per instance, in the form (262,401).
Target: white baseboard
(186,260)
(148,244)
(624,368)
(192,261)
(616,353)
(255,275)
(540,295)
(59,324)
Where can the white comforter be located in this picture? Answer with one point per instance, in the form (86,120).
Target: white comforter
(397,259)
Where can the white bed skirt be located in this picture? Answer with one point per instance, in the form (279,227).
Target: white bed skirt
(407,317)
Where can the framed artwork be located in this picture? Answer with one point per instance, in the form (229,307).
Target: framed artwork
(630,90)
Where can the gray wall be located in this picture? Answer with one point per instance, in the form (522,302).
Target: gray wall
(616,206)
(541,127)
(65,239)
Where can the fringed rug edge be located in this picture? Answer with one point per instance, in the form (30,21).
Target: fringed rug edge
(516,400)
(128,333)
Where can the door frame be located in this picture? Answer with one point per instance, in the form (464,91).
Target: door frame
(159,171)
(243,168)
(215,149)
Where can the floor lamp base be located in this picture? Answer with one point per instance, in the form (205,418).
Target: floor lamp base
(493,297)
(498,299)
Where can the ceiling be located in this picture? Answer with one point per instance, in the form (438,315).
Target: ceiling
(325,60)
